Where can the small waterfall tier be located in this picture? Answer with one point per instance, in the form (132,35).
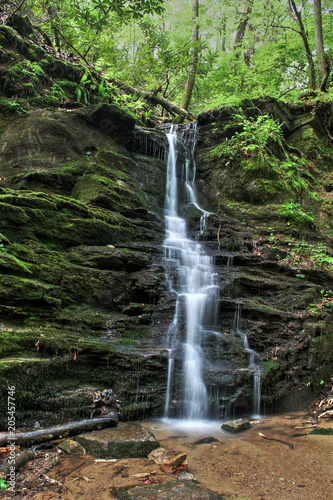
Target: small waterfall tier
(191,277)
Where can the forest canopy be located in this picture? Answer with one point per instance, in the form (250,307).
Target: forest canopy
(217,51)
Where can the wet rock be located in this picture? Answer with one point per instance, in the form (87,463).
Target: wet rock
(186,476)
(176,461)
(150,142)
(71,447)
(128,441)
(159,456)
(206,440)
(171,490)
(234,426)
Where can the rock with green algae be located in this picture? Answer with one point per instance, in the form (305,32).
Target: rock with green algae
(234,426)
(171,490)
(71,447)
(22,24)
(71,181)
(126,441)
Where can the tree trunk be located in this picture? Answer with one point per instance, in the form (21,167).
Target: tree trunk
(242,28)
(298,19)
(194,57)
(322,59)
(71,429)
(154,99)
(222,31)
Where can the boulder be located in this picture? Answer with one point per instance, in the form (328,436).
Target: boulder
(71,447)
(240,425)
(177,490)
(22,25)
(127,441)
(112,121)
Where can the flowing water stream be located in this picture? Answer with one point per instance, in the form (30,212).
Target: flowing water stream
(194,284)
(191,276)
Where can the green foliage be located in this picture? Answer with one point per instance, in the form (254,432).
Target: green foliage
(296,215)
(84,87)
(321,308)
(35,68)
(147,43)
(253,140)
(268,366)
(302,254)
(3,484)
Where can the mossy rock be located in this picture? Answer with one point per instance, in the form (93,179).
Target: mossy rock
(171,490)
(235,426)
(124,441)
(22,24)
(322,431)
(113,195)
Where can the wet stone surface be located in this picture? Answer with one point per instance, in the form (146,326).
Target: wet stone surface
(126,441)
(180,490)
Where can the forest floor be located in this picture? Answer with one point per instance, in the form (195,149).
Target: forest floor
(292,466)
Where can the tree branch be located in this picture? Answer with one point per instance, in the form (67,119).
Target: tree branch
(17,9)
(71,46)
(286,28)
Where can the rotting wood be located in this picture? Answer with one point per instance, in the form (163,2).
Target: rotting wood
(43,465)
(19,461)
(66,430)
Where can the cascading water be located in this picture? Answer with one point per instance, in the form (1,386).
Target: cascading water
(191,277)
(253,359)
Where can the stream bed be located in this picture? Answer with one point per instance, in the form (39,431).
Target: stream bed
(242,466)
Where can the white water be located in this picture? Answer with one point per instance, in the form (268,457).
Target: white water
(191,277)
(253,359)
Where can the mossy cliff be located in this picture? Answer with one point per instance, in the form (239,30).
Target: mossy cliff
(80,255)
(265,170)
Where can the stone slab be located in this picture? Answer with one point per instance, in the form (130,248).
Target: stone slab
(127,440)
(177,490)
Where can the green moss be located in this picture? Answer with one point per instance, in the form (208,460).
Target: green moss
(322,431)
(18,289)
(12,213)
(12,263)
(7,105)
(268,366)
(296,215)
(127,342)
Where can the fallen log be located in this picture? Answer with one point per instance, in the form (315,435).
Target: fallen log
(17,462)
(154,98)
(71,429)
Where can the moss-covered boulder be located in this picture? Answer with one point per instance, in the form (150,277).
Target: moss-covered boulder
(126,441)
(177,490)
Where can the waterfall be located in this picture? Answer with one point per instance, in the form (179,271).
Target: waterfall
(191,277)
(253,362)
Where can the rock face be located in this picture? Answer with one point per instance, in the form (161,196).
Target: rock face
(82,288)
(125,441)
(271,238)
